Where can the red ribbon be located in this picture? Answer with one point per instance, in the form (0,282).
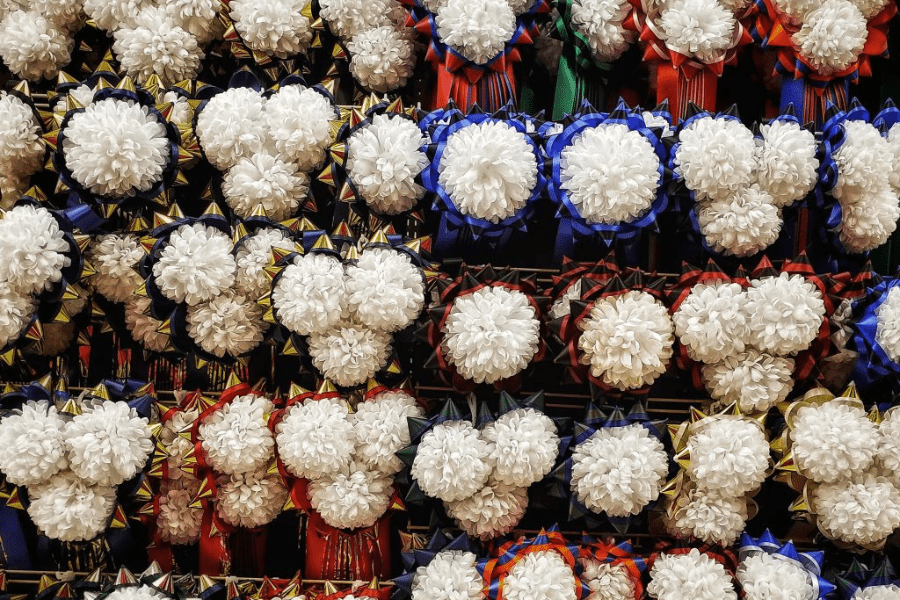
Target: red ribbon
(333,553)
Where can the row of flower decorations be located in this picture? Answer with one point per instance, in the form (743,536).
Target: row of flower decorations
(821,47)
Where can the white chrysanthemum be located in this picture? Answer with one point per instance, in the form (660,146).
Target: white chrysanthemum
(887,334)
(691,576)
(381,430)
(316,438)
(156,45)
(31,444)
(525,446)
(711,323)
(728,456)
(177,450)
(451,575)
(349,354)
(755,381)
(236,437)
(21,147)
(493,511)
(452,461)
(346,18)
(33,248)
(351,498)
(253,255)
(870,8)
(68,509)
(489,170)
(477,29)
(877,592)
(276,27)
(383,160)
(607,581)
(141,592)
(888,458)
(627,340)
(869,216)
(787,167)
(864,160)
(715,156)
(784,313)
(116,257)
(198,17)
(601,23)
(832,36)
(385,290)
(700,29)
(116,148)
(773,577)
(16,311)
(228,324)
(382,59)
(309,296)
(893,139)
(298,120)
(143,326)
(610,174)
(796,9)
(177,522)
(265,180)
(196,265)
(231,127)
(864,511)
(32,46)
(619,470)
(250,499)
(81,93)
(562,306)
(832,441)
(491,334)
(65,15)
(108,443)
(112,14)
(542,574)
(711,518)
(740,225)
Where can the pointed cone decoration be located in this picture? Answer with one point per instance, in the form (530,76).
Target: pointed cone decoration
(125,577)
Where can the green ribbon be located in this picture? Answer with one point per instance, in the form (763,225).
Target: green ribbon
(580,76)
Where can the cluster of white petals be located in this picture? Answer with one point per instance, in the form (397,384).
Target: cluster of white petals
(346,18)
(349,354)
(67,508)
(691,576)
(784,313)
(493,511)
(715,156)
(16,311)
(878,592)
(309,296)
(381,429)
(887,333)
(352,497)
(21,146)
(728,455)
(711,518)
(700,29)
(833,440)
(111,14)
(787,167)
(601,22)
(542,574)
(276,27)
(198,17)
(755,381)
(478,30)
(254,255)
(888,458)
(33,46)
(383,58)
(231,127)
(452,462)
(267,181)
(132,592)
(607,581)
(741,224)
(177,522)
(316,438)
(525,445)
(32,447)
(385,290)
(115,257)
(450,574)
(250,499)
(298,123)
(562,306)
(33,249)
(144,327)
(228,324)
(832,36)
(711,322)
(236,437)
(863,511)
(196,265)
(155,44)
(763,576)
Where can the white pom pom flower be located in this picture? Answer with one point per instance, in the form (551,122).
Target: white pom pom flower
(491,512)
(197,17)
(351,498)
(562,306)
(32,46)
(316,438)
(250,499)
(228,324)
(382,59)
(491,334)
(716,156)
(143,326)
(542,574)
(82,94)
(765,576)
(178,523)
(349,354)
(265,180)
(833,440)
(309,296)
(451,575)
(116,148)
(21,148)
(787,167)
(253,255)
(108,443)
(832,36)
(385,290)
(627,340)
(888,459)
(33,247)
(728,456)
(62,14)
(383,160)
(711,322)
(893,139)
(795,9)
(298,120)
(864,511)
(877,592)
(784,313)
(488,169)
(16,310)
(863,160)
(196,265)
(381,430)
(755,381)
(869,217)
(870,8)
(610,174)
(231,127)
(31,444)
(452,461)
(619,470)
(525,446)
(701,29)
(347,18)
(740,225)
(711,518)
(236,437)
(691,576)
(116,257)
(601,22)
(68,509)
(155,45)
(478,30)
(607,581)
(110,15)
(141,592)
(276,27)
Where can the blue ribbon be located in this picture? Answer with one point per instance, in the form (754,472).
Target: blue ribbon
(15,549)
